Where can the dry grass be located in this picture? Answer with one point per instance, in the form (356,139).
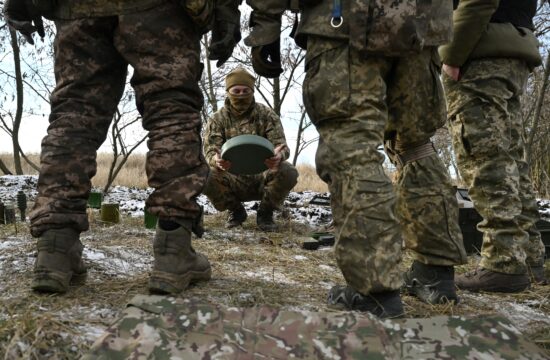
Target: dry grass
(249,268)
(133,172)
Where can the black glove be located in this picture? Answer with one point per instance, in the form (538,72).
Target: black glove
(22,16)
(266,59)
(226,33)
(225,36)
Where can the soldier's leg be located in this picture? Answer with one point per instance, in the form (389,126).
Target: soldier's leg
(90,78)
(275,187)
(426,201)
(345,97)
(220,190)
(162,45)
(224,190)
(480,123)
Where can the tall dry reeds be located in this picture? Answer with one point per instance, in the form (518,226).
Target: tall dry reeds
(133,172)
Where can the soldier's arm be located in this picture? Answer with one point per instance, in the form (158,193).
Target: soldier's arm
(275,133)
(214,138)
(469,21)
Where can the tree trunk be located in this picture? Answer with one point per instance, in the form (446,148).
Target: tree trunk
(4,168)
(19,111)
(277,96)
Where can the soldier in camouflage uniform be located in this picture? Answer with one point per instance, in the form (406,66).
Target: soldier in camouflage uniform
(486,69)
(373,78)
(96,40)
(242,115)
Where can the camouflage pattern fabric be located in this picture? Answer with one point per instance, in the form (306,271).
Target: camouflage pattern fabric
(388,27)
(226,191)
(485,120)
(91,61)
(259,120)
(356,103)
(79,9)
(176,328)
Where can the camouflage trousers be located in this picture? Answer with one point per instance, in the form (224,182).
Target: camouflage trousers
(91,62)
(356,104)
(226,191)
(485,119)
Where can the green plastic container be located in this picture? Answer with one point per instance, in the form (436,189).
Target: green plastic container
(149,220)
(95,199)
(247,154)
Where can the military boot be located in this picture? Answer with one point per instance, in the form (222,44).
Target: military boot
(382,304)
(487,280)
(236,217)
(176,263)
(431,283)
(537,275)
(59,261)
(264,218)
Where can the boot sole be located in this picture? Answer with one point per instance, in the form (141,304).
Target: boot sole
(168,283)
(46,283)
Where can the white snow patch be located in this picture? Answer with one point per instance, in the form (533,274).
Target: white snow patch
(300,257)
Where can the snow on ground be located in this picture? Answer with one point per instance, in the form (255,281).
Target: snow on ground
(131,200)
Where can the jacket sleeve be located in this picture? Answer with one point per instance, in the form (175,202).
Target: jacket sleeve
(470,20)
(214,138)
(275,132)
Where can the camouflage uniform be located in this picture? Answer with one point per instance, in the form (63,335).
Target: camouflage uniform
(96,41)
(485,120)
(226,190)
(359,95)
(176,328)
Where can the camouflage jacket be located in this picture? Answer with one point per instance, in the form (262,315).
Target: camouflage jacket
(388,27)
(475,36)
(75,9)
(259,120)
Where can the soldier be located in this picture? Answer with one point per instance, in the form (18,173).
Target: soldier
(96,40)
(372,78)
(242,115)
(486,66)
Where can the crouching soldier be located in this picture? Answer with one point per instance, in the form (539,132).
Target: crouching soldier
(239,116)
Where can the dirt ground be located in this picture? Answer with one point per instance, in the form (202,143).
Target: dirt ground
(249,267)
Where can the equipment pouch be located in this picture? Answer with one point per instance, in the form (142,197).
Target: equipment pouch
(201,12)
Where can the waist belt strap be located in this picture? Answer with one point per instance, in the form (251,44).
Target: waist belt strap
(416,153)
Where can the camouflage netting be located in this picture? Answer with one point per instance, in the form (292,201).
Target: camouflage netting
(176,328)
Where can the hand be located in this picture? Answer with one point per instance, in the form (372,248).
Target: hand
(222,164)
(22,16)
(452,71)
(266,59)
(273,162)
(226,33)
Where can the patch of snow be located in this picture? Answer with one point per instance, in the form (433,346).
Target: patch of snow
(326,267)
(270,276)
(300,257)
(520,314)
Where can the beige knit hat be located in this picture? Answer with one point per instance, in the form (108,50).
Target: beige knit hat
(239,76)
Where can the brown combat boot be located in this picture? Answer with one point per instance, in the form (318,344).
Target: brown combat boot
(176,263)
(491,281)
(59,261)
(236,217)
(537,275)
(264,218)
